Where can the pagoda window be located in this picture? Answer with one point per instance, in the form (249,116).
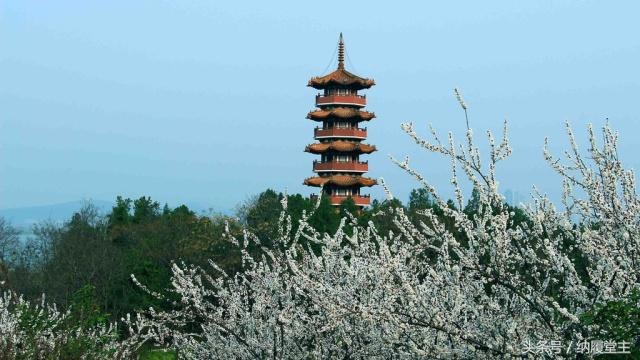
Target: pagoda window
(342,124)
(330,91)
(342,192)
(339,91)
(342,158)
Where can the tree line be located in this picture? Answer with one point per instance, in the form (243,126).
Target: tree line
(93,255)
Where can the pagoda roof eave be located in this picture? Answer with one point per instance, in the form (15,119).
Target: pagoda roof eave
(340,180)
(341,77)
(341,113)
(340,146)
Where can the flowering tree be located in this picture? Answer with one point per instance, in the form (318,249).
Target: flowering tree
(41,331)
(486,288)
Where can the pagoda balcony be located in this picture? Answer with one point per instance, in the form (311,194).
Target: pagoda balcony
(360,200)
(355,133)
(357,100)
(338,166)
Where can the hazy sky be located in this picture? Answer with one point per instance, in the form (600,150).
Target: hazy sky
(205,101)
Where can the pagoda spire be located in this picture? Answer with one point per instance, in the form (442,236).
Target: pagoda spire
(341,53)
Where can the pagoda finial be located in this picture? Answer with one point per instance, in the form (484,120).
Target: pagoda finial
(341,53)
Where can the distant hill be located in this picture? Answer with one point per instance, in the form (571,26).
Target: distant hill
(25,217)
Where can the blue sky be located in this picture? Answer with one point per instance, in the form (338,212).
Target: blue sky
(205,101)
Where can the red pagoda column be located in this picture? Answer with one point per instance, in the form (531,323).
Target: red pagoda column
(340,109)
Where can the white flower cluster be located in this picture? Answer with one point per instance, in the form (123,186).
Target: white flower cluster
(41,331)
(479,289)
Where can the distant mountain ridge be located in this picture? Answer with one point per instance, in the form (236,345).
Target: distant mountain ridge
(25,217)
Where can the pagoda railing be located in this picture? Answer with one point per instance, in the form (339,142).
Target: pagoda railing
(358,100)
(341,132)
(360,200)
(350,166)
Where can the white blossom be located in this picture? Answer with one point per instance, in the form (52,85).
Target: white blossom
(478,291)
(41,331)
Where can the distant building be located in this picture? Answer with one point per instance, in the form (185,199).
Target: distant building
(513,198)
(340,110)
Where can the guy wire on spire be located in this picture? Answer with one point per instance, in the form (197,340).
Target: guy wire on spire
(341,53)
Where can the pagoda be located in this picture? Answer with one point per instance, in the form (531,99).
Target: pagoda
(340,109)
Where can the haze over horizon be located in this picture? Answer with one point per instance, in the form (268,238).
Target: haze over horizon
(205,101)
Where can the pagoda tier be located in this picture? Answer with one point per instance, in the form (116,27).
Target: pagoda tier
(340,109)
(340,180)
(340,113)
(339,132)
(340,146)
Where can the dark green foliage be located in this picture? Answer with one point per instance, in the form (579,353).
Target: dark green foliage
(145,210)
(156,354)
(297,204)
(326,218)
(348,209)
(89,260)
(8,244)
(85,309)
(420,199)
(348,206)
(618,321)
(261,215)
(66,258)
(121,213)
(473,205)
(382,215)
(84,315)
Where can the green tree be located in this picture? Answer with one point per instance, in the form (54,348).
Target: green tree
(261,215)
(145,210)
(8,241)
(473,203)
(325,218)
(617,320)
(420,199)
(348,206)
(382,214)
(121,212)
